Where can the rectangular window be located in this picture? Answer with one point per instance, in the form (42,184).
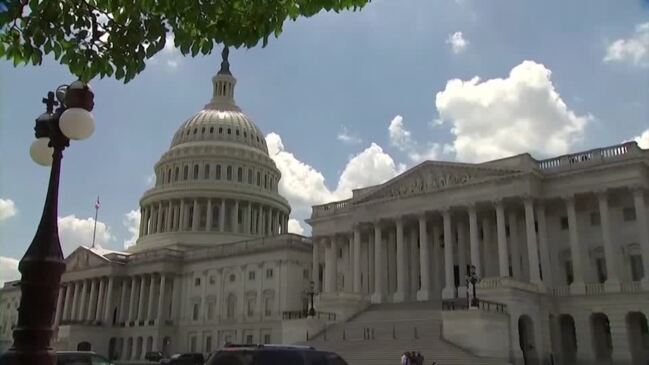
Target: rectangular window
(600,264)
(251,275)
(251,307)
(595,219)
(212,280)
(197,281)
(268,306)
(637,270)
(269,273)
(564,222)
(196,308)
(248,339)
(628,214)
(208,344)
(210,310)
(192,344)
(305,273)
(568,269)
(266,338)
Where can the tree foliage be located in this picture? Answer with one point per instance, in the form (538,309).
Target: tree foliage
(114,38)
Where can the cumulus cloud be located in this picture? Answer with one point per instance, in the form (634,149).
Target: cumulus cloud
(345,136)
(131,221)
(457,42)
(8,269)
(294,226)
(643,139)
(74,232)
(7,209)
(633,50)
(303,185)
(170,56)
(501,117)
(401,138)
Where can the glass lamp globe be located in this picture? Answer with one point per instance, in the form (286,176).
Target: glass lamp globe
(40,152)
(77,123)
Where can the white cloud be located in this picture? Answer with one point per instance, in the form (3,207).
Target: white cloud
(401,138)
(131,221)
(294,226)
(169,56)
(347,137)
(8,269)
(633,50)
(643,139)
(7,209)
(502,117)
(457,42)
(74,232)
(150,180)
(304,186)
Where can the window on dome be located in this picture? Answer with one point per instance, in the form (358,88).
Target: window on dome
(207,171)
(240,174)
(229,173)
(195,130)
(168,176)
(258,178)
(236,132)
(195,172)
(188,132)
(265,181)
(211,130)
(257,139)
(203,130)
(245,134)
(229,131)
(186,172)
(176,174)
(220,130)
(218,172)
(249,176)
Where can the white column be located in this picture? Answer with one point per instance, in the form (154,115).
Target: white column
(59,308)
(461,258)
(123,306)
(235,215)
(175,299)
(269,222)
(83,301)
(577,286)
(222,216)
(400,293)
(643,231)
(75,301)
(248,229)
(532,248)
(315,269)
(424,260)
(275,222)
(260,221)
(347,243)
(195,216)
(68,297)
(100,300)
(181,216)
(449,288)
(142,220)
(503,254)
(489,256)
(377,296)
(208,218)
(158,226)
(168,224)
(357,259)
(474,239)
(331,265)
(161,298)
(544,249)
(151,298)
(514,245)
(109,300)
(131,306)
(141,299)
(612,283)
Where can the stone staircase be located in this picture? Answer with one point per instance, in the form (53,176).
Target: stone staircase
(381,333)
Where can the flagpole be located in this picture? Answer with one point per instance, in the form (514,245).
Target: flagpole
(95,228)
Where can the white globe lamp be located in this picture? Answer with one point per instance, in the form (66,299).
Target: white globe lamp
(41,152)
(77,123)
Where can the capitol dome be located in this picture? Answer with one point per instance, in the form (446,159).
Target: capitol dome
(216,183)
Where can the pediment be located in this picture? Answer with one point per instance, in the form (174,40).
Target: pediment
(433,176)
(83,258)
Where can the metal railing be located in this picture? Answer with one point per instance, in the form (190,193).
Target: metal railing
(300,314)
(483,305)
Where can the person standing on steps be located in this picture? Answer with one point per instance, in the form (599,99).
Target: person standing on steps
(404,359)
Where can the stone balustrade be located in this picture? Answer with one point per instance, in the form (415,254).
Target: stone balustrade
(591,157)
(331,208)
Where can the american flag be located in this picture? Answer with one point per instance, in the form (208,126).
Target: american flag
(97,204)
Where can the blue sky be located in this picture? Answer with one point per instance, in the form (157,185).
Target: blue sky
(348,100)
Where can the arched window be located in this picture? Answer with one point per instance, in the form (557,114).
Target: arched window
(240,174)
(249,176)
(218,172)
(229,131)
(229,173)
(211,130)
(203,130)
(168,176)
(206,174)
(220,130)
(236,132)
(265,181)
(176,173)
(186,172)
(231,305)
(196,172)
(258,178)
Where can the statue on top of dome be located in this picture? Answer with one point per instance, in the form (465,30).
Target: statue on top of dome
(225,64)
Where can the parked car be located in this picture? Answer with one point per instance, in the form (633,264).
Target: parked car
(154,356)
(273,355)
(189,358)
(80,358)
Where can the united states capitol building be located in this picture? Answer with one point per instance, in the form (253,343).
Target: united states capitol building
(560,249)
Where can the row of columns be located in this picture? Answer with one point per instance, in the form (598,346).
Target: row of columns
(511,262)
(223,215)
(141,298)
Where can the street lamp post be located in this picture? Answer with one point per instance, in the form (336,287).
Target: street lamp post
(473,279)
(311,293)
(42,265)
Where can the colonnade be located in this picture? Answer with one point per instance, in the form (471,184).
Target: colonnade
(386,260)
(134,300)
(220,215)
